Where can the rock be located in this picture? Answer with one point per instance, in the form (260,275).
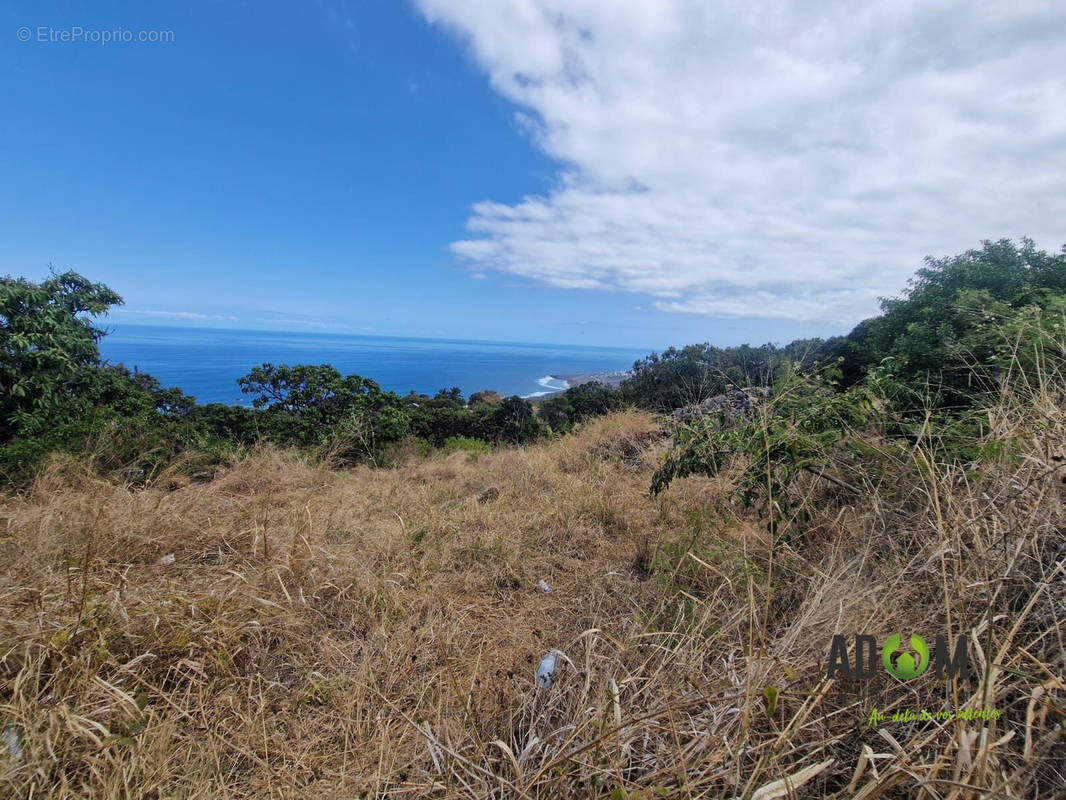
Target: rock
(729,406)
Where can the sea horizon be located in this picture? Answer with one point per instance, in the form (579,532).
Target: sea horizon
(206,362)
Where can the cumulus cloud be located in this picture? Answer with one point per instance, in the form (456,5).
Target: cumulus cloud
(761,159)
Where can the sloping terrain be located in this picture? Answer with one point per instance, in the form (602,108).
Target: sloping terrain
(290,631)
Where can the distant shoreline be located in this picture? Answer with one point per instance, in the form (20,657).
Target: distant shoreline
(612,378)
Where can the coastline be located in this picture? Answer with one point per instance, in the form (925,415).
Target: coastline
(611,378)
(549,389)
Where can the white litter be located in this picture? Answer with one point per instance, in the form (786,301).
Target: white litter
(10,737)
(547,668)
(169,558)
(544,587)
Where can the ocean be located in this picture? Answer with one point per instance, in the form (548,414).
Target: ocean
(206,362)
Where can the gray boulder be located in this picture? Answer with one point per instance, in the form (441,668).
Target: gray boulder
(729,406)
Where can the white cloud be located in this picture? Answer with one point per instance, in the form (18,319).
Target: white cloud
(173,314)
(303,322)
(747,159)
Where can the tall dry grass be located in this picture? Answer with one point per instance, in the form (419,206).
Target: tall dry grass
(374,633)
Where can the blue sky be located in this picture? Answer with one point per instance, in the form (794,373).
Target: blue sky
(514,170)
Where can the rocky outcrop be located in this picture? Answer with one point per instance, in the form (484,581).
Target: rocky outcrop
(729,406)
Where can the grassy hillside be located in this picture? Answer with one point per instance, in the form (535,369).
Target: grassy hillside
(375,632)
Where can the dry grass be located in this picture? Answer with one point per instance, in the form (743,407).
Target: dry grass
(374,633)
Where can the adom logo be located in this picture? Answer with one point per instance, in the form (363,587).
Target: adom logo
(904,666)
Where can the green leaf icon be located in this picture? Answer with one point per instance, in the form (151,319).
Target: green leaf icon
(905,667)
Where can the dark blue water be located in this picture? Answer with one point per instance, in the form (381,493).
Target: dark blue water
(206,363)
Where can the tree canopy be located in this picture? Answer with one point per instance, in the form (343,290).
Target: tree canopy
(47,341)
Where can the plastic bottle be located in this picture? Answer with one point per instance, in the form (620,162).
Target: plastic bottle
(546,670)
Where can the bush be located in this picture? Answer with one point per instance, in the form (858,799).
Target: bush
(947,329)
(436,419)
(577,404)
(464,444)
(512,421)
(688,376)
(314,406)
(807,426)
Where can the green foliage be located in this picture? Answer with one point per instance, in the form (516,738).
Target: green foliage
(577,404)
(770,694)
(464,444)
(920,372)
(56,395)
(111,419)
(945,339)
(511,421)
(946,330)
(688,376)
(849,354)
(485,397)
(442,417)
(171,401)
(676,378)
(365,432)
(236,424)
(805,426)
(315,406)
(47,342)
(487,417)
(964,326)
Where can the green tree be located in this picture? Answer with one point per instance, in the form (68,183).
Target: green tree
(235,424)
(47,344)
(512,420)
(677,378)
(936,331)
(313,405)
(442,417)
(577,404)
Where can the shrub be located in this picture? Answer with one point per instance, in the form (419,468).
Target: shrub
(577,404)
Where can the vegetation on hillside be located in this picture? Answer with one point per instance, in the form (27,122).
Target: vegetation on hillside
(292,631)
(944,344)
(57,395)
(231,617)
